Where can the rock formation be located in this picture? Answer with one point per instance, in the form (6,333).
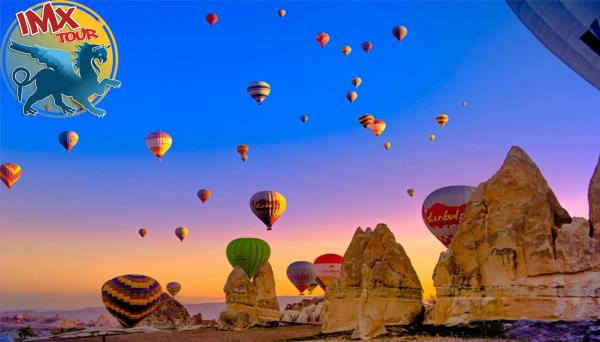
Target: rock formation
(249,303)
(517,253)
(594,198)
(377,287)
(168,315)
(305,311)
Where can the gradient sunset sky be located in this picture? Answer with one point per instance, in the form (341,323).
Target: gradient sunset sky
(71,222)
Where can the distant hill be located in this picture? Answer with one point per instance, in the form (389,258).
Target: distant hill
(208,310)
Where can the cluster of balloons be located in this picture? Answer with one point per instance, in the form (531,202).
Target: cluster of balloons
(305,276)
(368,121)
(180,232)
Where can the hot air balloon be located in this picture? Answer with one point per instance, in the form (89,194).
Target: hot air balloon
(244,158)
(268,206)
(356,81)
(204,195)
(248,253)
(130,298)
(431,137)
(366,120)
(442,119)
(328,267)
(181,233)
(212,19)
(68,139)
(173,288)
(143,232)
(281,13)
(443,210)
(399,32)
(346,49)
(367,46)
(569,29)
(312,286)
(159,143)
(322,38)
(304,118)
(411,192)
(301,274)
(242,150)
(377,127)
(259,91)
(10,174)
(351,96)
(387,145)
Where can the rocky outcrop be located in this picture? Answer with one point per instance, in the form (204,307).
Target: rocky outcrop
(249,303)
(517,254)
(594,198)
(104,321)
(168,315)
(377,287)
(305,311)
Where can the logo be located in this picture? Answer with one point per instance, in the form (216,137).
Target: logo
(59,59)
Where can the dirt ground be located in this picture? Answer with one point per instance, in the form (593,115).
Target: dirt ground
(282,333)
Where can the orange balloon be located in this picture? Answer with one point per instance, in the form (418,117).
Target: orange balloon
(204,195)
(10,173)
(377,127)
(282,12)
(212,18)
(242,149)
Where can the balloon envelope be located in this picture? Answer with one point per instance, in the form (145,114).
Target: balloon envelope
(10,173)
(259,91)
(282,13)
(143,232)
(367,46)
(431,137)
(443,210)
(159,143)
(181,233)
(301,274)
(442,119)
(356,81)
(322,38)
(248,253)
(377,127)
(411,192)
(366,120)
(387,145)
(346,49)
(268,206)
(204,195)
(130,298)
(68,139)
(242,149)
(399,32)
(212,18)
(351,96)
(304,119)
(328,267)
(569,29)
(173,288)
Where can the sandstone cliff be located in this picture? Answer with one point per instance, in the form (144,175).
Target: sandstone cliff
(518,254)
(168,315)
(249,303)
(377,287)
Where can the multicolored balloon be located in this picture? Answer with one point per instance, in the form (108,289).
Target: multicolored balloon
(10,173)
(68,139)
(443,210)
(282,13)
(387,145)
(346,49)
(212,18)
(181,233)
(366,120)
(351,96)
(143,232)
(304,118)
(173,288)
(411,192)
(431,137)
(204,195)
(322,38)
(268,206)
(328,267)
(367,46)
(356,81)
(159,143)
(301,274)
(399,32)
(130,298)
(442,119)
(259,91)
(248,253)
(377,127)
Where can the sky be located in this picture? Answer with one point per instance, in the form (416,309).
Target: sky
(71,222)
